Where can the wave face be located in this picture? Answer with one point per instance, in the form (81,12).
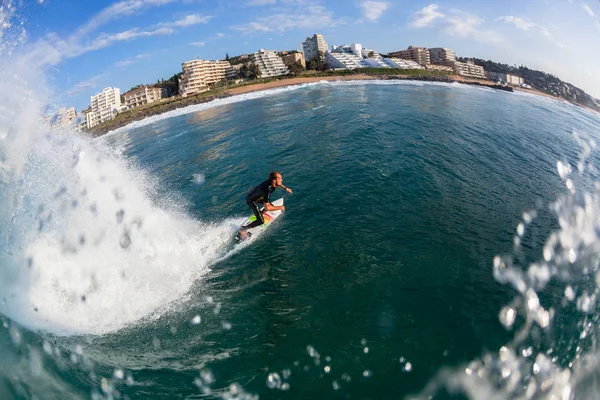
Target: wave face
(442,240)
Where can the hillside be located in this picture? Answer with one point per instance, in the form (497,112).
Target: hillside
(542,81)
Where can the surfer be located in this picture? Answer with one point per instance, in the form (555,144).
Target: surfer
(262,195)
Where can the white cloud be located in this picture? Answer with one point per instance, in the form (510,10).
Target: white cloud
(426,16)
(254,3)
(529,26)
(374,9)
(106,40)
(518,22)
(189,20)
(87,84)
(304,18)
(118,10)
(132,60)
(457,23)
(588,10)
(197,44)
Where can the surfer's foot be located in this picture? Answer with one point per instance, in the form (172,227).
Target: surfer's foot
(243,234)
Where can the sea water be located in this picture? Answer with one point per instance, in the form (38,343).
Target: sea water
(442,241)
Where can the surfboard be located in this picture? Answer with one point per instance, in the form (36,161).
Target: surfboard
(269,217)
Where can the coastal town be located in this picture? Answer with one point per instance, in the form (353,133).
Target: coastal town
(203,76)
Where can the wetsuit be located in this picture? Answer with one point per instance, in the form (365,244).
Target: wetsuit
(259,195)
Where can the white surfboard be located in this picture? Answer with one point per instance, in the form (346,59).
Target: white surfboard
(269,217)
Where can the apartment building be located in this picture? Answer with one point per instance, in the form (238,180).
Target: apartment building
(269,63)
(468,69)
(419,55)
(63,117)
(313,45)
(394,62)
(199,75)
(354,48)
(440,54)
(508,79)
(343,60)
(143,95)
(292,58)
(104,106)
(441,68)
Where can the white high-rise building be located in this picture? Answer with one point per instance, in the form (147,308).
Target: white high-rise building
(402,64)
(143,95)
(313,45)
(440,54)
(269,63)
(199,75)
(104,106)
(354,48)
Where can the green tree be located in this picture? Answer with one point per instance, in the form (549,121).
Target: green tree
(371,54)
(254,71)
(296,68)
(226,56)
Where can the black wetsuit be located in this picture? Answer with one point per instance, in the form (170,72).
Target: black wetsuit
(259,195)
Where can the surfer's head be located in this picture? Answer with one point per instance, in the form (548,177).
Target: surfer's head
(275,179)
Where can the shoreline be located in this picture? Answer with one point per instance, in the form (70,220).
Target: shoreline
(170,104)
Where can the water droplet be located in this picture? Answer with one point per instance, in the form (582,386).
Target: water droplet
(367,373)
(536,368)
(366,350)
(401,359)
(548,253)
(125,240)
(527,352)
(520,229)
(285,386)
(226,326)
(118,374)
(572,256)
(207,376)
(196,320)
(120,216)
(47,347)
(407,367)
(198,179)
(507,317)
(363,341)
(335,385)
(156,343)
(327,369)
(312,352)
(273,381)
(286,373)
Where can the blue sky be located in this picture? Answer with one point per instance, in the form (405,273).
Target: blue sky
(124,43)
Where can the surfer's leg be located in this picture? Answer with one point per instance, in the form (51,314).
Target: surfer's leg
(259,218)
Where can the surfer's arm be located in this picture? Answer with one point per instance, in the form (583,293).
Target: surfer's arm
(287,189)
(271,207)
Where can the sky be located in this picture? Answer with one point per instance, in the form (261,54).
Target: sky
(125,43)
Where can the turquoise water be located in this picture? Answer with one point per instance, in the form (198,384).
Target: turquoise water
(379,275)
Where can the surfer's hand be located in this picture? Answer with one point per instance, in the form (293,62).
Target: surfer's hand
(287,189)
(282,208)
